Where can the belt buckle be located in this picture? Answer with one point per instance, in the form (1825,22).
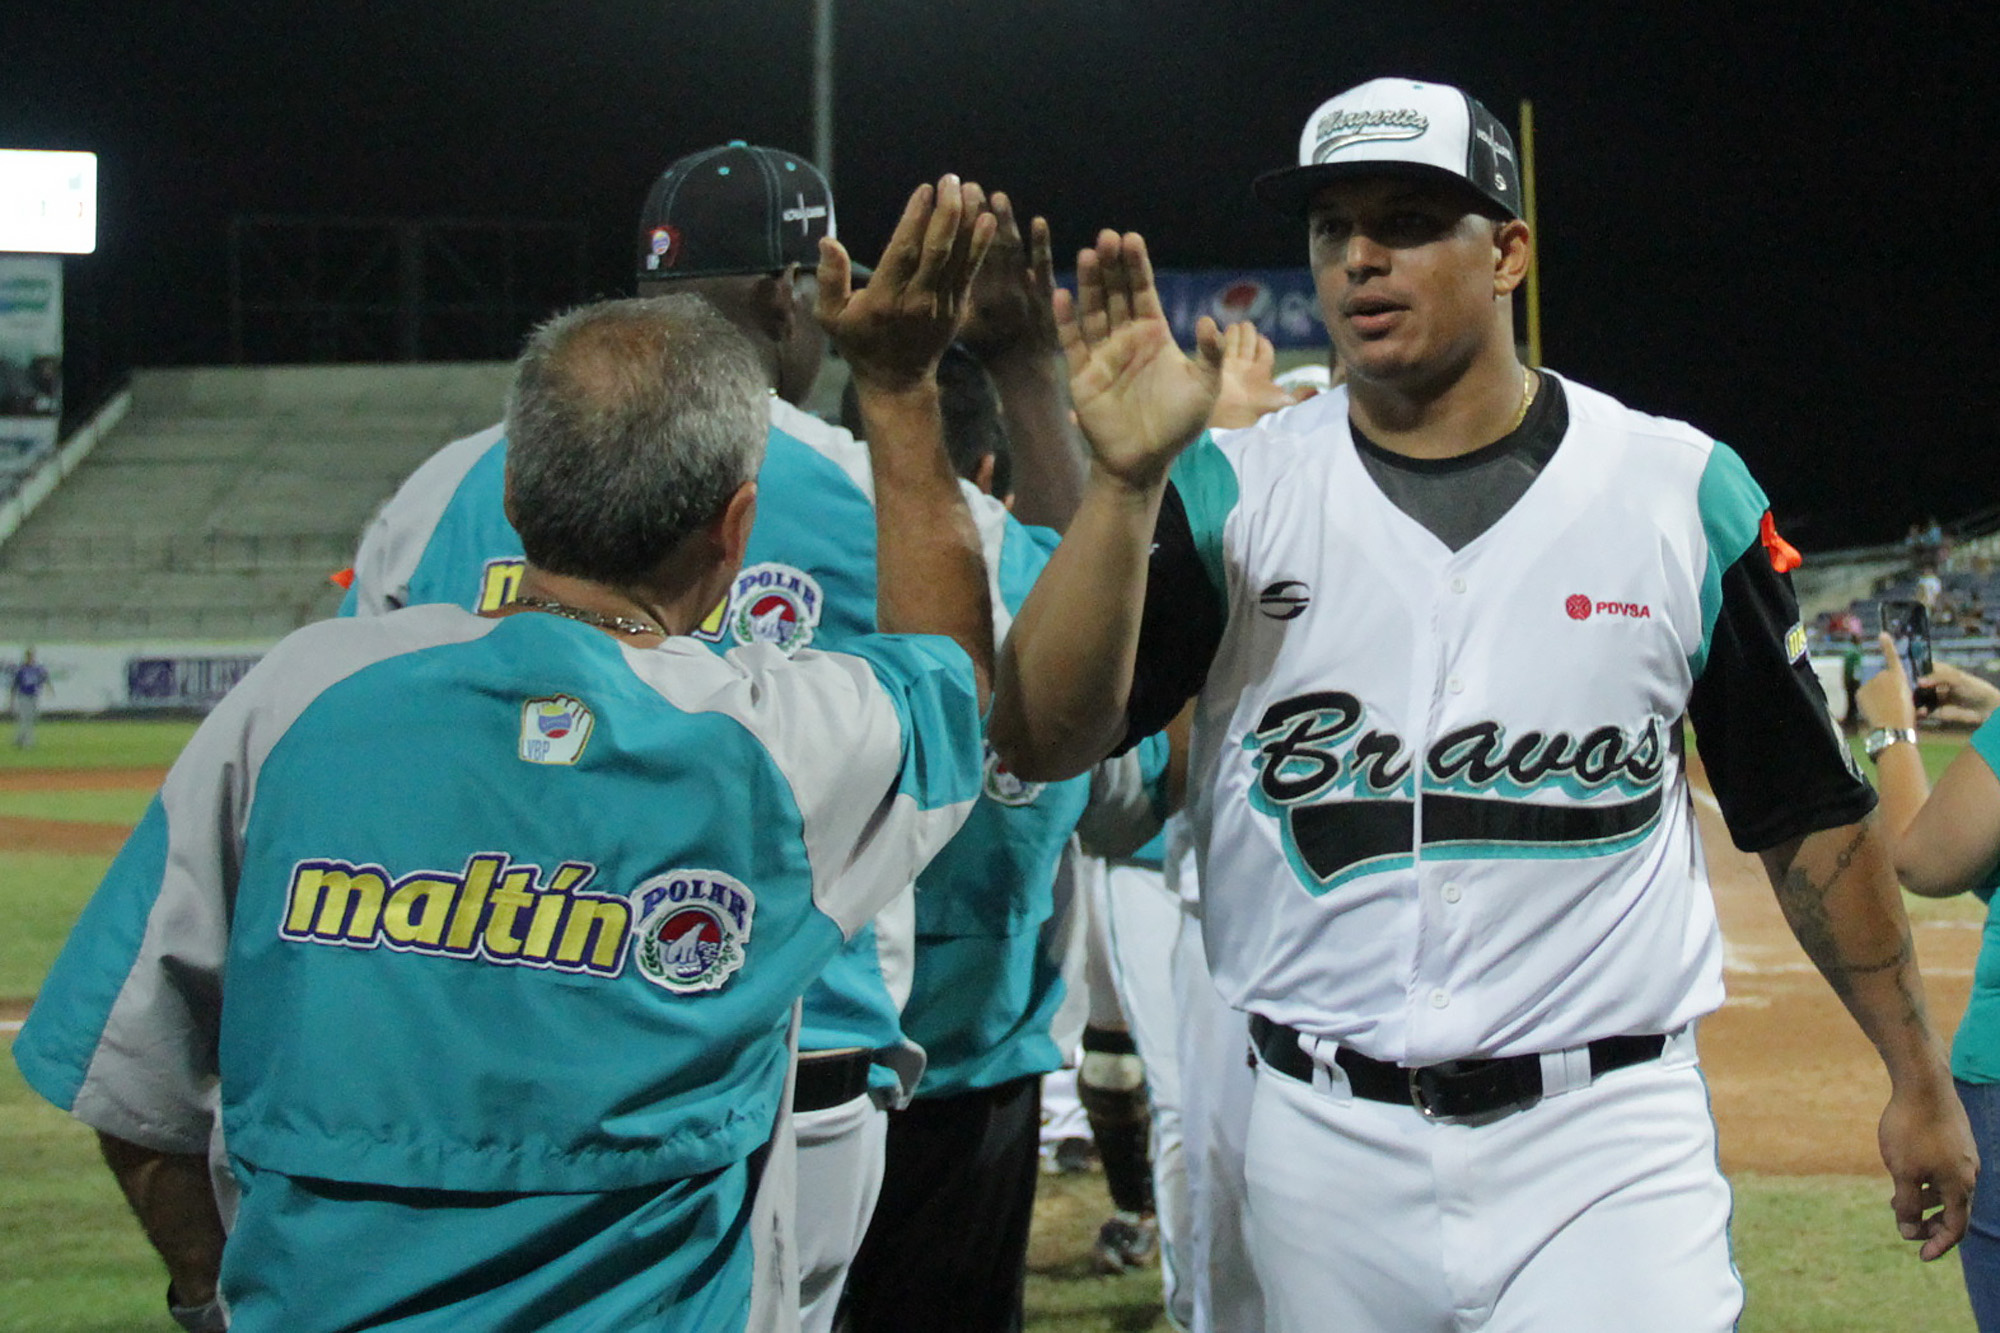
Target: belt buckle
(1429,1089)
(1421,1093)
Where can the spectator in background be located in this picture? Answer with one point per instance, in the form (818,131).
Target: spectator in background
(1946,842)
(1930,587)
(1850,677)
(24,696)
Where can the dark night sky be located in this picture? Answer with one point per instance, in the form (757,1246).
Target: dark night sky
(1775,222)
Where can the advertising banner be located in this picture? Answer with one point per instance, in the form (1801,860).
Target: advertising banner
(31,340)
(1279,301)
(163,676)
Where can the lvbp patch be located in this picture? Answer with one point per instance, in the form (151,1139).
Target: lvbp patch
(775,604)
(554,729)
(693,930)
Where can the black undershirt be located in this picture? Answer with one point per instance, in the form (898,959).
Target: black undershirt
(1459,498)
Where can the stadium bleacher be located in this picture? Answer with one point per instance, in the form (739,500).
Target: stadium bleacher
(221,503)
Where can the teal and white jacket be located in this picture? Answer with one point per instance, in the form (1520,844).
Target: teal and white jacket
(503,907)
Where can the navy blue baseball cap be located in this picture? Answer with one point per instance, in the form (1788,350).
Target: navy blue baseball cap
(735,209)
(1404,127)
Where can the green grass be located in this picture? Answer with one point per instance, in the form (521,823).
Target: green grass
(43,896)
(1819,1254)
(115,805)
(69,743)
(74,1260)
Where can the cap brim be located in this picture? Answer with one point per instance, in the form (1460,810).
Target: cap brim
(1290,190)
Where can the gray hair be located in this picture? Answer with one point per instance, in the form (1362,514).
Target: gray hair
(630,424)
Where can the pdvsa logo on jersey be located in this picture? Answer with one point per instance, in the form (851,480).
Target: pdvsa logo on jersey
(693,930)
(1579,607)
(1286,599)
(555,729)
(775,604)
(663,247)
(1002,786)
(1342,129)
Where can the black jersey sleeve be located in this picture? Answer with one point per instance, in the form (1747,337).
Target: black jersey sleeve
(1180,628)
(1776,762)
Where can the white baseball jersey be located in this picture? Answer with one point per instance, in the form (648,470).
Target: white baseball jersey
(1440,794)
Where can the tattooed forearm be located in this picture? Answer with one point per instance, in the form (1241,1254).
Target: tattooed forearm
(1854,944)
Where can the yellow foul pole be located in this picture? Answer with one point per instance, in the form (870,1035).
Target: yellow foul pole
(1528,199)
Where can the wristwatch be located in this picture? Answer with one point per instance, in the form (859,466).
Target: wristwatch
(1882,738)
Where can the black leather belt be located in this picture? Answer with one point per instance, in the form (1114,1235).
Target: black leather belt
(1454,1090)
(830,1080)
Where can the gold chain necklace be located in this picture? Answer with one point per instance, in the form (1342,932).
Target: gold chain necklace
(577,613)
(1528,389)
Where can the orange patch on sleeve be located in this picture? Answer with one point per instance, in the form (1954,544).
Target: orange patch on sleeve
(1785,557)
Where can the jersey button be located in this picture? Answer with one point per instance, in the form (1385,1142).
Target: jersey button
(1458,585)
(1451,893)
(1439,999)
(1454,684)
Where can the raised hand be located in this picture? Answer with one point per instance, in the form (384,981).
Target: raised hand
(892,331)
(1011,297)
(1138,398)
(1249,384)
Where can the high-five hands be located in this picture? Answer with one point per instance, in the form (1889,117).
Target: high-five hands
(1011,296)
(892,331)
(1249,379)
(1139,399)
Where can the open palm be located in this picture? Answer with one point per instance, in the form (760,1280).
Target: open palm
(1139,399)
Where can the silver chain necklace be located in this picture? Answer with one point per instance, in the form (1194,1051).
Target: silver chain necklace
(577,613)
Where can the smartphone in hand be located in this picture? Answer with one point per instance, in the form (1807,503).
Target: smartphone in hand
(1909,625)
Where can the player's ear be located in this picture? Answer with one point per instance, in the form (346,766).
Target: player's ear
(775,304)
(732,527)
(1513,251)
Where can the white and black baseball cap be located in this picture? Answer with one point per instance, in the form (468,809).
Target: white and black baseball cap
(734,209)
(1403,127)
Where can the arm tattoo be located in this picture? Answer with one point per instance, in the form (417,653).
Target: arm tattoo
(1804,903)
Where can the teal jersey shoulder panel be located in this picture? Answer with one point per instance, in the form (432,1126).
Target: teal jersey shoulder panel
(547,894)
(1209,491)
(472,533)
(54,1047)
(809,579)
(1732,509)
(811,519)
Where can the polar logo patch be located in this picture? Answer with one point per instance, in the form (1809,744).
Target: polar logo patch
(775,604)
(1002,786)
(693,930)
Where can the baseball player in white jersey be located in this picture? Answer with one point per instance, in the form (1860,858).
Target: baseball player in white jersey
(1443,627)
